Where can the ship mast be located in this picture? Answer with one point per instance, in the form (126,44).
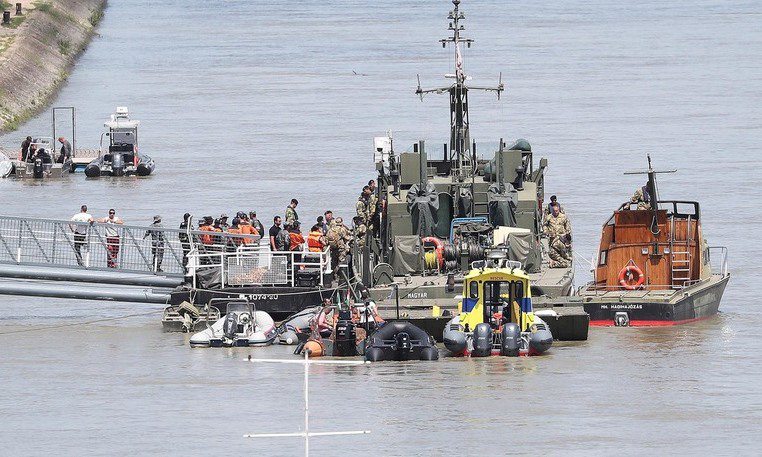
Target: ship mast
(460,154)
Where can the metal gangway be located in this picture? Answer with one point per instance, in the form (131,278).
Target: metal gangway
(43,257)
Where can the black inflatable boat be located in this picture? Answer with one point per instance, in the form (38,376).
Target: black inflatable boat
(399,341)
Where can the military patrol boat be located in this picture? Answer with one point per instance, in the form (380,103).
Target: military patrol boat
(654,264)
(436,216)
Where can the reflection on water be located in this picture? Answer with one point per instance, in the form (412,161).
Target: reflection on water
(252,103)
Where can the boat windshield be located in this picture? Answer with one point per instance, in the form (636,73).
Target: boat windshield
(499,294)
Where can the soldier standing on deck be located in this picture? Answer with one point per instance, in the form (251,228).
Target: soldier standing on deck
(558,230)
(338,238)
(374,220)
(363,205)
(156,233)
(291,215)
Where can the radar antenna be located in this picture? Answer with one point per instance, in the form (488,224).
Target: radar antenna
(460,150)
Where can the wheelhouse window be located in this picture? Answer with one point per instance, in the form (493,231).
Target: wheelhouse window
(473,290)
(602,258)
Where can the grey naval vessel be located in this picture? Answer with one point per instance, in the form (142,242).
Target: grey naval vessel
(436,213)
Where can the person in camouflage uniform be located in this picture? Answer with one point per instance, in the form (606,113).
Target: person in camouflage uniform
(291,215)
(363,205)
(338,238)
(360,231)
(558,230)
(373,216)
(642,198)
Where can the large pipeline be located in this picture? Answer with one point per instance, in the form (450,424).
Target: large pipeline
(82,275)
(82,292)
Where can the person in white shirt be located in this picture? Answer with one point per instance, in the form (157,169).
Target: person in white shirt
(80,231)
(112,237)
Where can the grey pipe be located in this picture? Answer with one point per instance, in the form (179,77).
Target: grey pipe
(81,292)
(83,275)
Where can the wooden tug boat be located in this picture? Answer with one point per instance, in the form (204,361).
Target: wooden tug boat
(654,266)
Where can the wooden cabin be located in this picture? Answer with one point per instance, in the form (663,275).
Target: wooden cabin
(669,252)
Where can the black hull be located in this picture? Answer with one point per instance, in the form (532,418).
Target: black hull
(697,305)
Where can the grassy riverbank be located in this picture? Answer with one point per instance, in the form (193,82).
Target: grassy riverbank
(37,51)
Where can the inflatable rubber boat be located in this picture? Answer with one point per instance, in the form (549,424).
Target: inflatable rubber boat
(241,326)
(357,330)
(121,157)
(289,329)
(399,341)
(496,316)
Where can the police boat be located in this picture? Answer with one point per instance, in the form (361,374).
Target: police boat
(496,316)
(241,326)
(121,158)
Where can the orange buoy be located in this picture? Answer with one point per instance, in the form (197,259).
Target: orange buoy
(314,347)
(631,277)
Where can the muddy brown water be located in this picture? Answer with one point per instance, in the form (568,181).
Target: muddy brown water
(247,104)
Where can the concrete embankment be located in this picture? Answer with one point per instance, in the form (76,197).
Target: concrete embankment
(37,51)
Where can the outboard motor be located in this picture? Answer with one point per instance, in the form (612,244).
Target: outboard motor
(482,339)
(117,164)
(402,343)
(39,168)
(230,326)
(346,337)
(511,344)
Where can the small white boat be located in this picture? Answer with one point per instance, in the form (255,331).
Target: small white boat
(241,326)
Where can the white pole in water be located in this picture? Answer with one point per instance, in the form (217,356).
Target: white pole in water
(306,433)
(307,403)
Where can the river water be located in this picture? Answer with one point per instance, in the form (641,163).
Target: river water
(247,104)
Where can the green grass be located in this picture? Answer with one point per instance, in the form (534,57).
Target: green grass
(5,43)
(64,47)
(45,7)
(15,22)
(96,16)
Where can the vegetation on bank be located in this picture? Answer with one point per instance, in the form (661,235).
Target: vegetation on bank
(69,47)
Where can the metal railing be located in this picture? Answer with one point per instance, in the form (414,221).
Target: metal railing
(720,266)
(99,246)
(258,265)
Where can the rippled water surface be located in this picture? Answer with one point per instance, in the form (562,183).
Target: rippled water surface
(247,104)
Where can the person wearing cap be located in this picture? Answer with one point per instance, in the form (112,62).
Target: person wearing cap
(338,238)
(156,232)
(549,207)
(112,237)
(223,225)
(206,226)
(184,238)
(246,228)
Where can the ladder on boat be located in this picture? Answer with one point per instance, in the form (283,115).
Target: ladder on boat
(680,255)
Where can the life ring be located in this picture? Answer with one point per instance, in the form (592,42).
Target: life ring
(439,248)
(631,277)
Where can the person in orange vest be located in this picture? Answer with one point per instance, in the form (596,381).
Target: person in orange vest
(235,229)
(206,227)
(297,239)
(315,239)
(246,228)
